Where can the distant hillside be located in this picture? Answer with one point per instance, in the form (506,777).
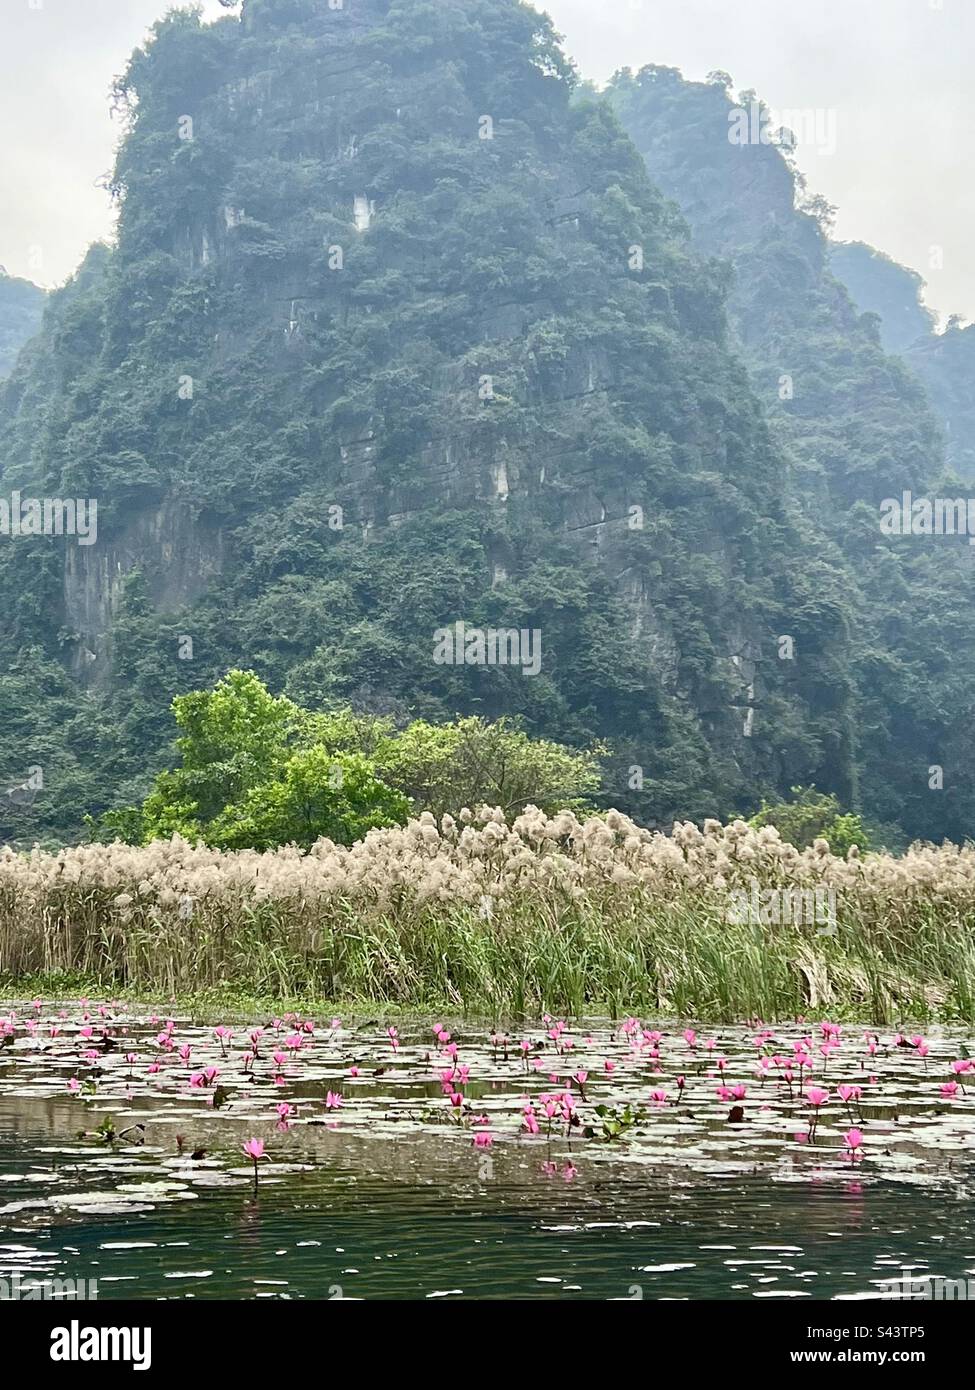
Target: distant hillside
(945,362)
(878,285)
(855,423)
(21,306)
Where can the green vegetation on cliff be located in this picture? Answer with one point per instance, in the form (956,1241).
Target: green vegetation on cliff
(355,372)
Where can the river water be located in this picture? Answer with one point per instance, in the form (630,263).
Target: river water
(389,1197)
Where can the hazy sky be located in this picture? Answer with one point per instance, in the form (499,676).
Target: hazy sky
(894,75)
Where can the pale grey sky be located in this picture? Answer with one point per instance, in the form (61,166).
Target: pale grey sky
(894,75)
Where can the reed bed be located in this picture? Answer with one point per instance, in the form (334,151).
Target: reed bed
(504,919)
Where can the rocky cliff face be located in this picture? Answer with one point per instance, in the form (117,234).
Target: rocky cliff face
(180,555)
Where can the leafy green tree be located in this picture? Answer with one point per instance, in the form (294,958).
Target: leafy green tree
(444,767)
(812,815)
(235,737)
(257,771)
(316,794)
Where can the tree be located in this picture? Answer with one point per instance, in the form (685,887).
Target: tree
(444,767)
(317,795)
(811,815)
(259,771)
(235,737)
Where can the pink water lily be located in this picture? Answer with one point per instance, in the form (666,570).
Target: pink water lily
(254,1149)
(853,1139)
(817,1098)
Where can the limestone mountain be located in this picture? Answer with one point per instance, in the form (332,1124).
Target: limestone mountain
(397,333)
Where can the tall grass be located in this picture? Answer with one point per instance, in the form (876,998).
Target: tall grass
(503,921)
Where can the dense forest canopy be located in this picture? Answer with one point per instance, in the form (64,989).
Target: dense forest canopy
(404,328)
